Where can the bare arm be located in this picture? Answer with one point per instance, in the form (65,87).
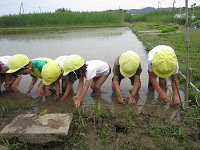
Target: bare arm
(116,87)
(67,90)
(84,91)
(162,94)
(40,90)
(57,86)
(33,81)
(135,89)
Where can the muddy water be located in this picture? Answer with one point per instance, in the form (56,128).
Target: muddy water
(105,44)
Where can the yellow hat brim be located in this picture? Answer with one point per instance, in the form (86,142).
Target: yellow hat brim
(161,74)
(13,70)
(125,74)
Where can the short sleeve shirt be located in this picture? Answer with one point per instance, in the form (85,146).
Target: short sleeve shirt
(60,61)
(96,68)
(3,63)
(37,65)
(116,68)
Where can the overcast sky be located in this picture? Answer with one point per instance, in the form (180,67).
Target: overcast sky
(29,6)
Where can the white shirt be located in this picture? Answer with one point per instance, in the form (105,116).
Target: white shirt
(3,63)
(96,68)
(60,61)
(151,54)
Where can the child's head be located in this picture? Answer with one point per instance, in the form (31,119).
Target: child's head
(164,62)
(129,63)
(72,63)
(18,63)
(74,75)
(50,73)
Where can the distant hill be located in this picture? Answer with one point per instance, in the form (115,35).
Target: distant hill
(146,10)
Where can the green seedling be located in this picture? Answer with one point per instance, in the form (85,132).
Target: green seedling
(43,112)
(116,94)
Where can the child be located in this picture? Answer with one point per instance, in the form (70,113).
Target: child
(11,81)
(95,72)
(45,68)
(163,63)
(66,85)
(127,65)
(71,77)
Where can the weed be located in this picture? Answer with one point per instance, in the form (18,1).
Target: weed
(80,116)
(9,105)
(44,112)
(14,144)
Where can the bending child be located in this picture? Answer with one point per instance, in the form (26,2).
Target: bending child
(127,65)
(44,68)
(163,63)
(95,71)
(11,81)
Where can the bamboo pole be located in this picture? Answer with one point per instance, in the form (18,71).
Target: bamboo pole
(187,54)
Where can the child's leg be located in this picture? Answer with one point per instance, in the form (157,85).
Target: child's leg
(48,89)
(93,82)
(47,92)
(15,84)
(12,82)
(97,85)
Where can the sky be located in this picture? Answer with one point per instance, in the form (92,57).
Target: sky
(11,7)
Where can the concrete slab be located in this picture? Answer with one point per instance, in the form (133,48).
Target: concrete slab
(38,129)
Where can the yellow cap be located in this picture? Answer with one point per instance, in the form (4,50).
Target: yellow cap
(164,63)
(17,62)
(50,73)
(129,63)
(72,63)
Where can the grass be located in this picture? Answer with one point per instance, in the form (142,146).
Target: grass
(64,19)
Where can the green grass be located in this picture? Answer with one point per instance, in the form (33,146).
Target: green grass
(62,19)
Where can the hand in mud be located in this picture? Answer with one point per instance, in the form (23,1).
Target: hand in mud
(75,98)
(40,92)
(57,96)
(131,100)
(62,98)
(77,103)
(176,100)
(164,97)
(121,100)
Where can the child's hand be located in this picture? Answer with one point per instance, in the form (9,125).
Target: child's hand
(62,98)
(131,100)
(77,103)
(176,100)
(57,96)
(121,100)
(75,98)
(40,92)
(164,97)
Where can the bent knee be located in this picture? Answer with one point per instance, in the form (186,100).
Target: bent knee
(47,92)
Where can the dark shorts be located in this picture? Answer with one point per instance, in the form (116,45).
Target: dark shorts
(122,77)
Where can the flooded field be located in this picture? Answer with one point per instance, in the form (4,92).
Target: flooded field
(105,44)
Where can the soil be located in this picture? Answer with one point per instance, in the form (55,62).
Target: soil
(108,126)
